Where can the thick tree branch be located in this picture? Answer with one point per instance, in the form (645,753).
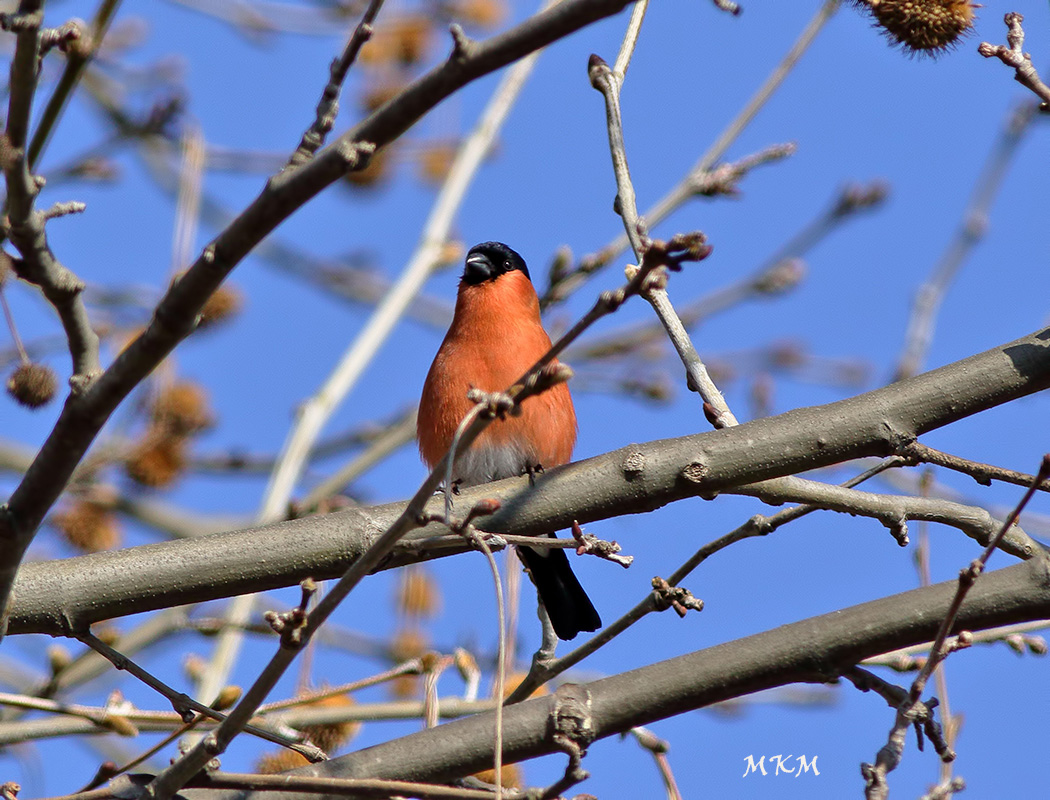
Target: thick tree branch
(60,597)
(175,316)
(814,650)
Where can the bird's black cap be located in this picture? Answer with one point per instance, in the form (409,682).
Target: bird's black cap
(488,260)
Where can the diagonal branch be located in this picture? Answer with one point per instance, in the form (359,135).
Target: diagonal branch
(813,650)
(175,317)
(62,596)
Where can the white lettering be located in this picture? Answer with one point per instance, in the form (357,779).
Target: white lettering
(804,767)
(752,767)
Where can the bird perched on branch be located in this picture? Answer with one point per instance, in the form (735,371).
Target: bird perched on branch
(495,337)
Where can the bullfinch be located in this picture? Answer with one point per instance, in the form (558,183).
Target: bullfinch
(495,337)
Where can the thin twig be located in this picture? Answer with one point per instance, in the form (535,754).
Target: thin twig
(779,273)
(328,106)
(971,230)
(501,666)
(890,754)
(77,60)
(922,566)
(185,705)
(188,203)
(658,748)
(686,187)
(538,379)
(984,474)
(87,411)
(386,443)
(1013,55)
(25,227)
(314,413)
(543,669)
(610,82)
(346,787)
(1016,636)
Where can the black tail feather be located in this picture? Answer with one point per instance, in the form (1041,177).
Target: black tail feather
(567,604)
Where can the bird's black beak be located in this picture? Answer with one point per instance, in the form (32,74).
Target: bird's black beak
(478,269)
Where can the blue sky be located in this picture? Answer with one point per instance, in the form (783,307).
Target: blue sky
(858,111)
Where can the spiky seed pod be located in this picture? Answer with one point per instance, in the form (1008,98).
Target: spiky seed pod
(333,735)
(482,13)
(6,268)
(512,682)
(378,93)
(924,26)
(181,408)
(417,594)
(510,773)
(452,252)
(379,51)
(279,761)
(58,658)
(88,526)
(228,696)
(223,304)
(32,385)
(412,34)
(106,633)
(408,643)
(157,460)
(404,687)
(435,160)
(403,41)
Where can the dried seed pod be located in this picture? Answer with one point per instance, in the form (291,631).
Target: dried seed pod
(332,735)
(408,644)
(228,697)
(435,160)
(404,687)
(510,773)
(512,682)
(6,268)
(924,26)
(412,35)
(32,385)
(157,460)
(418,595)
(88,525)
(482,13)
(182,408)
(379,92)
(223,304)
(402,41)
(279,761)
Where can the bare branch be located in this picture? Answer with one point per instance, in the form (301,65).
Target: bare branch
(1012,54)
(175,316)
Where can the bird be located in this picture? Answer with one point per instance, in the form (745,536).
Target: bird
(495,337)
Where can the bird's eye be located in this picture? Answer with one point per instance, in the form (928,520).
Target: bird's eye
(506,266)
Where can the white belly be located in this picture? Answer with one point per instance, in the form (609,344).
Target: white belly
(481,464)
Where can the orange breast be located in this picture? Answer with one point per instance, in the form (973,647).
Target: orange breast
(495,336)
